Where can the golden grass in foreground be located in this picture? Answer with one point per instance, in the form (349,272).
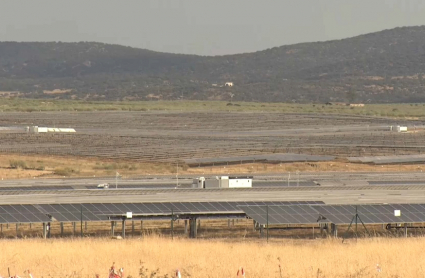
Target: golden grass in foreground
(202,258)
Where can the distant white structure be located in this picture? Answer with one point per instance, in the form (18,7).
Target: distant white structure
(401,128)
(37,129)
(228,84)
(223,182)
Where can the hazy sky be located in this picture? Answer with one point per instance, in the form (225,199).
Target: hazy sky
(207,27)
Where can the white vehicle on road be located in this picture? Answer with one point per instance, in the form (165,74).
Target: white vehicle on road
(103,185)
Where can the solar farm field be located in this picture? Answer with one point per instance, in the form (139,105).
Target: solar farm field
(175,136)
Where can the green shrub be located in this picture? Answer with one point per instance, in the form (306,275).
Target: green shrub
(65,171)
(15,164)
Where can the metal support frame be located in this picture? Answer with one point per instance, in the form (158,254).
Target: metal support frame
(267,223)
(112,228)
(123,229)
(334,230)
(61,229)
(44,230)
(172,224)
(81,219)
(17,229)
(405,229)
(132,228)
(49,229)
(355,219)
(185,226)
(193,228)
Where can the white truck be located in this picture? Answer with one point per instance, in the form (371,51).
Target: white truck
(222,182)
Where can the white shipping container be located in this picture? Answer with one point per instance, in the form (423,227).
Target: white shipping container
(212,184)
(55,129)
(240,183)
(224,182)
(401,128)
(198,183)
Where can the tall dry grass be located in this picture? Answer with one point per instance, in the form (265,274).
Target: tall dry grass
(207,258)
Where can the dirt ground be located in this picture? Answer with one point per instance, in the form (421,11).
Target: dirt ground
(57,166)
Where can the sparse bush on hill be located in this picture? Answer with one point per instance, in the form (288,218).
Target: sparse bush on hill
(67,171)
(18,164)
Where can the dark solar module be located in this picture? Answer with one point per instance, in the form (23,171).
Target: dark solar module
(293,214)
(374,214)
(21,214)
(337,214)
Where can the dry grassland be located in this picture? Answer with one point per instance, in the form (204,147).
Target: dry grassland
(88,167)
(210,258)
(407,111)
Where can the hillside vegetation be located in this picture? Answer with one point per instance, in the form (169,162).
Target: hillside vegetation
(387,66)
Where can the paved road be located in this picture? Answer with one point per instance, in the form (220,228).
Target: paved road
(350,195)
(281,179)
(336,188)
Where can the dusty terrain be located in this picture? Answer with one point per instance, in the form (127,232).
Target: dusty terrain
(42,166)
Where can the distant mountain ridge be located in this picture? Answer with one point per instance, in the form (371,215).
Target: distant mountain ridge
(386,66)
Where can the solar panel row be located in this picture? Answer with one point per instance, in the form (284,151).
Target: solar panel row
(101,211)
(277,157)
(374,214)
(262,212)
(337,214)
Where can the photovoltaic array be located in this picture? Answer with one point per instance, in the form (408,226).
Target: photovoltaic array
(101,211)
(337,214)
(298,212)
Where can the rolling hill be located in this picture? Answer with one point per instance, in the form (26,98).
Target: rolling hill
(387,66)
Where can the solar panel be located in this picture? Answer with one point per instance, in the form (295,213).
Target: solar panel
(101,211)
(374,214)
(389,159)
(292,214)
(21,214)
(276,157)
(337,214)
